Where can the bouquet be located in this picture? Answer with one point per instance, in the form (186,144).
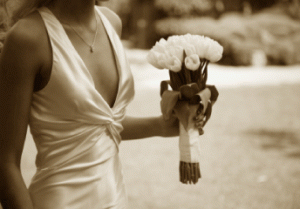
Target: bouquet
(187,57)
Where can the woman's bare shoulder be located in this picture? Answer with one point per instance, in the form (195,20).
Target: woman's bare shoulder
(114,19)
(27,41)
(28,31)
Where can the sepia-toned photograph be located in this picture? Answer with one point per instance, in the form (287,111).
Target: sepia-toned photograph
(149,104)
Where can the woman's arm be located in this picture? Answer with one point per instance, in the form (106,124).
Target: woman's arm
(20,62)
(144,127)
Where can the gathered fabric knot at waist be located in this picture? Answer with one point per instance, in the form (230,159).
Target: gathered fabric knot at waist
(115,127)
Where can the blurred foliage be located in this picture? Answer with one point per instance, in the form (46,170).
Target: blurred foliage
(124,9)
(183,7)
(271,32)
(119,6)
(261,4)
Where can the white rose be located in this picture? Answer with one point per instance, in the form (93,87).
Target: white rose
(188,37)
(173,39)
(192,62)
(201,46)
(176,41)
(175,51)
(162,41)
(189,49)
(160,46)
(153,58)
(197,38)
(214,51)
(162,60)
(171,62)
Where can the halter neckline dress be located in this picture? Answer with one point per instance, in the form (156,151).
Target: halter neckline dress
(76,132)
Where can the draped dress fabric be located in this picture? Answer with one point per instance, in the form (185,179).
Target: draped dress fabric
(77,134)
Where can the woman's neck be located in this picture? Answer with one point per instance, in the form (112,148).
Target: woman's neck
(73,11)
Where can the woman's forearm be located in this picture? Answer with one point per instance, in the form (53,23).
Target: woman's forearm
(145,127)
(13,191)
(137,128)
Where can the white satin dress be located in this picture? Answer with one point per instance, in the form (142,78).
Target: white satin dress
(77,134)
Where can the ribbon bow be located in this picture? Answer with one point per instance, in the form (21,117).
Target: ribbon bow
(189,100)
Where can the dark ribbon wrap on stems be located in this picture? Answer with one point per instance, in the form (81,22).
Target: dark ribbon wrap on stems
(190,96)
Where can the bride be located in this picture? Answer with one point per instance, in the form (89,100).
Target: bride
(63,72)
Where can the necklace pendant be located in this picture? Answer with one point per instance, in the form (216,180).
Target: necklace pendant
(91,49)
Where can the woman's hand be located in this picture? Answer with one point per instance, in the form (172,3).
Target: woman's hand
(199,121)
(202,117)
(170,127)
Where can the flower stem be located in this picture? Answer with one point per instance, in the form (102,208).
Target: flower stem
(187,75)
(205,73)
(175,80)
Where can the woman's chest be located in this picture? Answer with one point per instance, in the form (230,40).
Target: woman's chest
(102,66)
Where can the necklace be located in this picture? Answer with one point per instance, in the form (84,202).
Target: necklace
(94,40)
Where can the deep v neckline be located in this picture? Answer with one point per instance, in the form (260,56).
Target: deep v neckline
(105,23)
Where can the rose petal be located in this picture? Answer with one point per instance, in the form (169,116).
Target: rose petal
(192,62)
(153,58)
(214,50)
(173,63)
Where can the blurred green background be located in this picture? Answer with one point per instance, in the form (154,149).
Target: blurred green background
(265,32)
(252,32)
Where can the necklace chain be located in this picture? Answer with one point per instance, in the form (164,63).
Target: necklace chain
(94,40)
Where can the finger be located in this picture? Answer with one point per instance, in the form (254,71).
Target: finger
(208,113)
(200,109)
(199,117)
(199,124)
(201,131)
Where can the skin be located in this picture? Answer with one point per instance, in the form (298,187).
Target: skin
(25,67)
